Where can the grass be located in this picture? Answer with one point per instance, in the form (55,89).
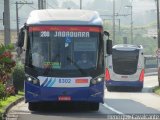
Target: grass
(157,90)
(9,100)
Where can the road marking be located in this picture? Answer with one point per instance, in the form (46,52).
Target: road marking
(112,109)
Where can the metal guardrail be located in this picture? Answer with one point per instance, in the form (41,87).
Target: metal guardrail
(150,61)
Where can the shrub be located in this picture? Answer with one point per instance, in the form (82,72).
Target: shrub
(6,63)
(18,76)
(10,90)
(2,91)
(6,66)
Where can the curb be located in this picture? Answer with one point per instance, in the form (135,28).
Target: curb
(151,74)
(4,114)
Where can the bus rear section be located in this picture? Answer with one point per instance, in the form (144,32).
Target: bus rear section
(125,67)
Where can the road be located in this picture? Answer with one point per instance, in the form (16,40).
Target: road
(144,102)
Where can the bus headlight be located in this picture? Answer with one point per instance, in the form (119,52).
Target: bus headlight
(99,79)
(29,79)
(96,81)
(32,80)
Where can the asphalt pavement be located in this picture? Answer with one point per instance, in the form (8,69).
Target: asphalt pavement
(116,103)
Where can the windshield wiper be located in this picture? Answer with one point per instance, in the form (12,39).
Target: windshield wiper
(82,71)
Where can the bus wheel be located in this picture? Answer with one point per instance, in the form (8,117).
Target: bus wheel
(94,106)
(139,89)
(32,106)
(109,88)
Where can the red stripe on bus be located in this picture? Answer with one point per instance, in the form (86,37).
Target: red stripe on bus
(65,28)
(81,80)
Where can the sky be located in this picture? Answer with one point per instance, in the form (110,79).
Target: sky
(143,5)
(139,7)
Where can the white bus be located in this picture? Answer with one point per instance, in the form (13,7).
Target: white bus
(125,67)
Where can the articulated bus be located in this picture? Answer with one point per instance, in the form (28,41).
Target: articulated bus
(56,41)
(125,67)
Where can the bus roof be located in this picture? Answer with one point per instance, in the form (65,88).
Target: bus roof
(127,47)
(64,17)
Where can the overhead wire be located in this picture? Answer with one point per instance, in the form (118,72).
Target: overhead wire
(54,3)
(120,6)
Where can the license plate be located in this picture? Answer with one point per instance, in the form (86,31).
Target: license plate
(64,98)
(124,76)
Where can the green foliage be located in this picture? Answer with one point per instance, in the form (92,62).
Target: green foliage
(7,101)
(157,90)
(139,37)
(6,62)
(6,66)
(2,90)
(18,76)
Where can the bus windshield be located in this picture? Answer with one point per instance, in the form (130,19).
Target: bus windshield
(63,50)
(125,62)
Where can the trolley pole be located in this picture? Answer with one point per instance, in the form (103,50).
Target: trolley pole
(41,4)
(80,4)
(17,14)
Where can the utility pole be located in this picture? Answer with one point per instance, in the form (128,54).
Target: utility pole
(80,4)
(39,4)
(17,21)
(131,22)
(6,22)
(119,24)
(17,14)
(131,26)
(158,32)
(113,22)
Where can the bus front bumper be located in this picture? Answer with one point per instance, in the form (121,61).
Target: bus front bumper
(35,93)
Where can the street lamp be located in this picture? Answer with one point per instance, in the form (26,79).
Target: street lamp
(131,23)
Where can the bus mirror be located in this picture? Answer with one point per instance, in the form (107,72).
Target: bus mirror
(107,34)
(109,46)
(19,51)
(21,35)
(20,41)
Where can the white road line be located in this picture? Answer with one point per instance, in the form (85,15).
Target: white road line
(112,109)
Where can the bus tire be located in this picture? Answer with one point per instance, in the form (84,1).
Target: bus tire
(94,106)
(32,106)
(109,88)
(139,89)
